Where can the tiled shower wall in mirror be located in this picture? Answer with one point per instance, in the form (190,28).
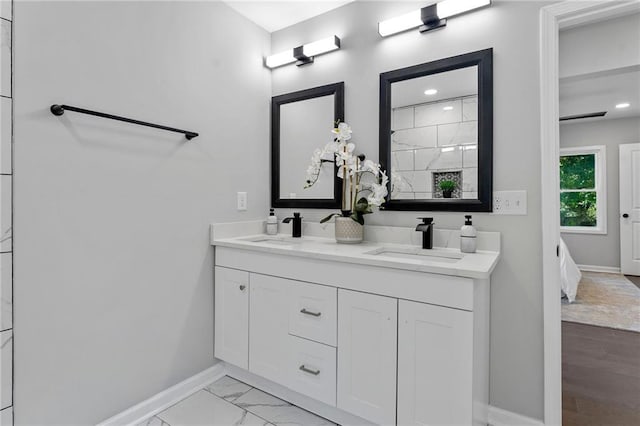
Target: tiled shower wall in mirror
(435,141)
(6,240)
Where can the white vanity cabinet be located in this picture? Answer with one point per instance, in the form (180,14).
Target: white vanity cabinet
(358,344)
(232,316)
(367,347)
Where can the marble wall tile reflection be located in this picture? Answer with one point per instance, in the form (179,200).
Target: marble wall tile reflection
(470,156)
(6,362)
(470,109)
(5,213)
(5,135)
(420,137)
(402,118)
(402,160)
(458,133)
(438,113)
(5,58)
(470,180)
(6,291)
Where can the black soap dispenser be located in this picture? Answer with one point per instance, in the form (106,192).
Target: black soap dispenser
(296,230)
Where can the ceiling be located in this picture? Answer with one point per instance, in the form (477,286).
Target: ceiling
(601,92)
(275,15)
(451,84)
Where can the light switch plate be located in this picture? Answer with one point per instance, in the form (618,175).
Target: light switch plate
(510,202)
(242,201)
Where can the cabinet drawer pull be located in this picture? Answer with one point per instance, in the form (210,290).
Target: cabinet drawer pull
(308,370)
(313,314)
(242,287)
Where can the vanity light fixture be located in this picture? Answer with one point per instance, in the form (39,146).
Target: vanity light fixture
(429,17)
(623,105)
(448,108)
(304,54)
(430,92)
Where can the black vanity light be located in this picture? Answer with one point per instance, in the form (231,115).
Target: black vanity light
(429,17)
(304,54)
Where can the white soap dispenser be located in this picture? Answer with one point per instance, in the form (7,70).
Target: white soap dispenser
(272,223)
(468,236)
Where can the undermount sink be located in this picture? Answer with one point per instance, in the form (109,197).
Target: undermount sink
(275,240)
(417,254)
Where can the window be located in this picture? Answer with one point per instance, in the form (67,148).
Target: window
(583,201)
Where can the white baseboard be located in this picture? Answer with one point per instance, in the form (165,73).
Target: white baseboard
(596,268)
(182,390)
(166,398)
(500,417)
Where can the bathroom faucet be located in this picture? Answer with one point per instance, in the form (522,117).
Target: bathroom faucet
(426,227)
(296,229)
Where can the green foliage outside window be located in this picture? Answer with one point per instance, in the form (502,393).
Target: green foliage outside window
(578,206)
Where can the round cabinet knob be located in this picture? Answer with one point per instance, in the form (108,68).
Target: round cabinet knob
(626,215)
(242,287)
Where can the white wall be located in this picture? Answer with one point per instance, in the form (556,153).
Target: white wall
(113,268)
(601,250)
(591,48)
(511,28)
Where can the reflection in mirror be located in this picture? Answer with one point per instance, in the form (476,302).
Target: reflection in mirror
(436,134)
(304,126)
(300,123)
(434,126)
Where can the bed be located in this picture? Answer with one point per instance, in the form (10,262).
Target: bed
(569,273)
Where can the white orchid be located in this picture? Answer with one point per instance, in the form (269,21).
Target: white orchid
(342,132)
(359,193)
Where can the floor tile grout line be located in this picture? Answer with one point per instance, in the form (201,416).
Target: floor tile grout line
(269,422)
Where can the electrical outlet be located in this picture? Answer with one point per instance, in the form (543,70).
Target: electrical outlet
(510,202)
(242,201)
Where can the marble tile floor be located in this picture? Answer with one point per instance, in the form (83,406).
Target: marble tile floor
(228,402)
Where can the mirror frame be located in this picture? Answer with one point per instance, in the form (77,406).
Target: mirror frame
(335,89)
(483,59)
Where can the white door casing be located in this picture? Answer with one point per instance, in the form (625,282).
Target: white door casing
(630,209)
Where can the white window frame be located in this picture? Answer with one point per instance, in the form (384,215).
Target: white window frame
(600,152)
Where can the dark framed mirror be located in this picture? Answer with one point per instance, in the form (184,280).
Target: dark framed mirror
(301,122)
(436,134)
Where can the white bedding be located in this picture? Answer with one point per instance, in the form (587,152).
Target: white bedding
(569,273)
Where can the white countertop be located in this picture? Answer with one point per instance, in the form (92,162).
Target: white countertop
(317,244)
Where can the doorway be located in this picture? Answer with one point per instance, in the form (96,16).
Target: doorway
(553,18)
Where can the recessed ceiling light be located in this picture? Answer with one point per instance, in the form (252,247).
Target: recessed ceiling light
(623,105)
(430,92)
(448,108)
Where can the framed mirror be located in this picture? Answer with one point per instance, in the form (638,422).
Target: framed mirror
(436,134)
(301,122)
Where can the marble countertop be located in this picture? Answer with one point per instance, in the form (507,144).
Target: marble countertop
(381,251)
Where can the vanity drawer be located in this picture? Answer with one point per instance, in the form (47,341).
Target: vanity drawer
(313,312)
(311,369)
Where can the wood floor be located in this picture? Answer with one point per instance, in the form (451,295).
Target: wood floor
(600,376)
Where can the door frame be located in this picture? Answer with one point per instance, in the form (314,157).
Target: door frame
(554,17)
(623,147)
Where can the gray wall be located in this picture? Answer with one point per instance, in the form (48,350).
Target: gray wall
(113,268)
(601,250)
(511,28)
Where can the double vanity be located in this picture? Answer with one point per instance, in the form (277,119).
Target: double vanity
(381,332)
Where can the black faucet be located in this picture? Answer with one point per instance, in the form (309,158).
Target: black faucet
(297,224)
(426,227)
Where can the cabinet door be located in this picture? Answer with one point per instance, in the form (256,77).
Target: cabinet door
(435,356)
(232,316)
(367,344)
(269,327)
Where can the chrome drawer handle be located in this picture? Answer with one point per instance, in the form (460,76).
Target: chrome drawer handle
(308,370)
(313,314)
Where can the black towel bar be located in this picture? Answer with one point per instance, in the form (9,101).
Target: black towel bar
(60,109)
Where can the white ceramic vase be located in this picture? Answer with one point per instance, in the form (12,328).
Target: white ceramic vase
(348,231)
